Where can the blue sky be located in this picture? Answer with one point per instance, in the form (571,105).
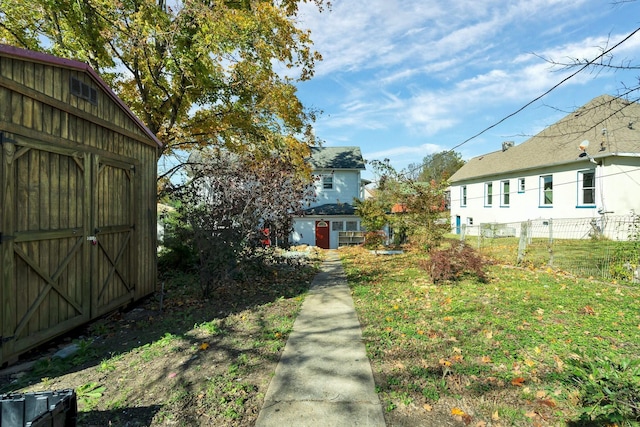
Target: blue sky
(406,78)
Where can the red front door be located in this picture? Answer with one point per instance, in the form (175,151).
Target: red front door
(322,234)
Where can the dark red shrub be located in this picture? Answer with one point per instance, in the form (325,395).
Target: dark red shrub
(454,263)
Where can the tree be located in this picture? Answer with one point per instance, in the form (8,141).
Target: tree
(438,167)
(197,72)
(228,203)
(423,204)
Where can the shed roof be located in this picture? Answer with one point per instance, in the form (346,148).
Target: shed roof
(44,58)
(336,158)
(558,143)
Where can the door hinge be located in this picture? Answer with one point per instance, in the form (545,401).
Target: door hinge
(5,140)
(5,238)
(5,340)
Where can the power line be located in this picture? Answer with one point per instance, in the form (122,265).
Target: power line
(561,82)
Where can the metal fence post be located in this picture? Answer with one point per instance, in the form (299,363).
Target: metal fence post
(522,245)
(550,246)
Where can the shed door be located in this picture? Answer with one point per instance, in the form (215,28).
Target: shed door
(113,260)
(43,240)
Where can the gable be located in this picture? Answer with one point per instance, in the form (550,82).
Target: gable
(336,158)
(611,125)
(70,86)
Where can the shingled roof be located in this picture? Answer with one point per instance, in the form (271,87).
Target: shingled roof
(331,209)
(336,158)
(558,144)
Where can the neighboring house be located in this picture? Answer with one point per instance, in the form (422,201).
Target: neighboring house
(556,173)
(330,221)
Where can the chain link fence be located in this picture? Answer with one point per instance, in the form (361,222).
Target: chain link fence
(607,247)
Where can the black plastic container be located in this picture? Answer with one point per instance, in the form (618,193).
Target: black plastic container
(39,409)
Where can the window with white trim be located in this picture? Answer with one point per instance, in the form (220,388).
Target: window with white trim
(351,226)
(327,182)
(488,193)
(521,186)
(463,195)
(546,190)
(505,186)
(586,187)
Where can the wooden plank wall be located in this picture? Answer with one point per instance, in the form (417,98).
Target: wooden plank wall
(52,185)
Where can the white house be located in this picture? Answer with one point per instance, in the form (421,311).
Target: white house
(584,166)
(330,221)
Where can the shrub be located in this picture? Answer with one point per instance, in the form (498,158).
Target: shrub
(452,264)
(374,239)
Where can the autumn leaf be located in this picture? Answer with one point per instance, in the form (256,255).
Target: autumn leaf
(518,381)
(448,319)
(444,362)
(559,364)
(547,402)
(204,346)
(588,310)
(495,416)
(457,411)
(486,359)
(427,407)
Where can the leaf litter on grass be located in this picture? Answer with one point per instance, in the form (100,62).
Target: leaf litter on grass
(504,348)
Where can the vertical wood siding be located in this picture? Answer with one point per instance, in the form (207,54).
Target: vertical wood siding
(69,170)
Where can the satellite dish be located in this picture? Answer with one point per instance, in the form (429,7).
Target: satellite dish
(583,145)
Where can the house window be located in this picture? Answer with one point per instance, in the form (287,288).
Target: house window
(463,195)
(469,221)
(488,193)
(327,182)
(505,192)
(546,190)
(337,225)
(521,185)
(586,187)
(352,225)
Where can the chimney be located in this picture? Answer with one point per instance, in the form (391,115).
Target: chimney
(507,144)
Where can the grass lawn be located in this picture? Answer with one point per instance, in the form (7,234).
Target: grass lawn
(531,347)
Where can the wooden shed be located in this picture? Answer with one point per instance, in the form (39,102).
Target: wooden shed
(77,199)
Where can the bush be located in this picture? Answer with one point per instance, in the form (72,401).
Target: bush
(609,391)
(374,239)
(452,264)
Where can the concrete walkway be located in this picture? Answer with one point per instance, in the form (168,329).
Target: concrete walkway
(324,377)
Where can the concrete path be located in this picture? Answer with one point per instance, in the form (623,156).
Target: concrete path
(324,377)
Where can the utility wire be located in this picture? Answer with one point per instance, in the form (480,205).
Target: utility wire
(561,82)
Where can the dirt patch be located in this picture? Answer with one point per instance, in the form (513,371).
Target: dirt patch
(190,362)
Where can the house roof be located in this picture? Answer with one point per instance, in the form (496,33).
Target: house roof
(44,58)
(558,143)
(331,209)
(336,158)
